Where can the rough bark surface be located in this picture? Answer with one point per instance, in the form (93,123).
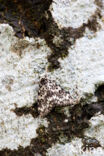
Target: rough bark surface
(64,40)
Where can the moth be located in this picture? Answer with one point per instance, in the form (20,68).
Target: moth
(51,95)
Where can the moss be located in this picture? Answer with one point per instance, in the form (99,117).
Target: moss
(28,18)
(34,24)
(58,130)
